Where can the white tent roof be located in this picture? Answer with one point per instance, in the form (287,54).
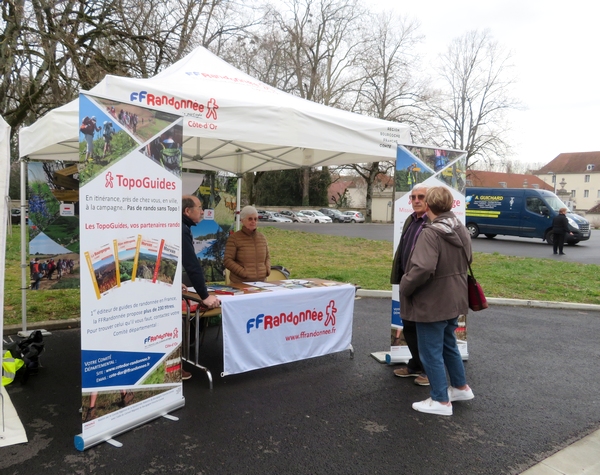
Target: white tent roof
(256,128)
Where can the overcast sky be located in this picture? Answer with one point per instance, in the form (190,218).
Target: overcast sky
(557,63)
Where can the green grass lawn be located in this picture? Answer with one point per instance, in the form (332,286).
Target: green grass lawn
(359,261)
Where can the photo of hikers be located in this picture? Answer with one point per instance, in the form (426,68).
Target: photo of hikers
(415,164)
(166,149)
(53,221)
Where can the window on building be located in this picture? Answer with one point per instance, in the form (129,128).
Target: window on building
(598,194)
(587,178)
(586,193)
(573,193)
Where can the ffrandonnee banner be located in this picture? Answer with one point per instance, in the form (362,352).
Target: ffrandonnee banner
(416,164)
(130,228)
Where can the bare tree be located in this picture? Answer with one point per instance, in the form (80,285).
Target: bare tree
(389,87)
(475,95)
(49,50)
(507,165)
(320,47)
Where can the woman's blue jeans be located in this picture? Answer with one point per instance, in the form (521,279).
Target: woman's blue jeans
(439,352)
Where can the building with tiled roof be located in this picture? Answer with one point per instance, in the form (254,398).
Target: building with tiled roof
(481,179)
(579,174)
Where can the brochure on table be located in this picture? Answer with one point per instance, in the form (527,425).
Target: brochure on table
(130,228)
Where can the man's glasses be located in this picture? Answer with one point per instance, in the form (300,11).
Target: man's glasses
(414,197)
(251,219)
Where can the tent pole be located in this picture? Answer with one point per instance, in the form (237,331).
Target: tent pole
(24,263)
(237,202)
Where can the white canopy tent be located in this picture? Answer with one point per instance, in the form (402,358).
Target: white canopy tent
(232,123)
(250,126)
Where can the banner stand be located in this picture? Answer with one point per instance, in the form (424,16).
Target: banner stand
(386,357)
(82,443)
(432,166)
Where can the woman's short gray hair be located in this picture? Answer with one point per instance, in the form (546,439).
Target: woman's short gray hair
(248,211)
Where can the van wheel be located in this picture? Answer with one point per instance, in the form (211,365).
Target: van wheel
(550,237)
(490,236)
(473,230)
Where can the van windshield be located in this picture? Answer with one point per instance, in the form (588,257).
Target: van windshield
(555,203)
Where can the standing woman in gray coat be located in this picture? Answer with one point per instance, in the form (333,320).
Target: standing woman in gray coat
(433,293)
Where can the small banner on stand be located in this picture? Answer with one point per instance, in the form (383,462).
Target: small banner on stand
(433,167)
(130,226)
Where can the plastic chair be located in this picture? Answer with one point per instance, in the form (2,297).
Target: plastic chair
(276,274)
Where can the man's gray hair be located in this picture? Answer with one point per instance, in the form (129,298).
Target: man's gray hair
(421,186)
(248,211)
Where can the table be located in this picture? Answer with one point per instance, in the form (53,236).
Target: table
(270,323)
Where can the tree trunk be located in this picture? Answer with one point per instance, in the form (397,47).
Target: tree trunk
(305,186)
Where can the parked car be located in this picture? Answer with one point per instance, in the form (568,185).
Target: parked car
(262,215)
(280,218)
(355,216)
(316,216)
(336,215)
(295,216)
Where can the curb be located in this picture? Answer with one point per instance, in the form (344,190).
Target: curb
(380,294)
(499,301)
(47,325)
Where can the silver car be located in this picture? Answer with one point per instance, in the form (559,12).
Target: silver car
(355,216)
(316,216)
(295,216)
(280,218)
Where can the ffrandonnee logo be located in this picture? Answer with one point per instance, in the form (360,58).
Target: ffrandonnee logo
(149,340)
(269,322)
(152,100)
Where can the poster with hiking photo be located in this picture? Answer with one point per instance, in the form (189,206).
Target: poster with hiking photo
(53,222)
(130,205)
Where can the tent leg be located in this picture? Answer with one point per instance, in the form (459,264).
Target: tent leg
(24,263)
(237,204)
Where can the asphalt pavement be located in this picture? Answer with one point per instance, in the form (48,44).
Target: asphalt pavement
(533,371)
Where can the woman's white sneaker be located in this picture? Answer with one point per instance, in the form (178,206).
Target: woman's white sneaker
(460,394)
(432,407)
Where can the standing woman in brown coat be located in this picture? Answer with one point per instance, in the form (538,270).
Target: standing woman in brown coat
(433,293)
(246,252)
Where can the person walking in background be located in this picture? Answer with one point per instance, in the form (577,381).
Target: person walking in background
(246,252)
(560,228)
(410,232)
(433,293)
